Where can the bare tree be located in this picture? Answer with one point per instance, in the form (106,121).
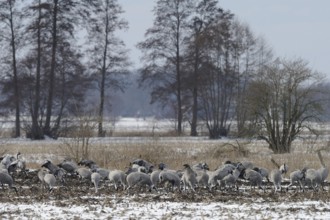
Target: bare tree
(283,101)
(64,19)
(163,51)
(38,10)
(247,51)
(10,18)
(205,15)
(110,61)
(218,88)
(194,80)
(50,27)
(51,76)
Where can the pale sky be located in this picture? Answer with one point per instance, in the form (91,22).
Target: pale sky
(293,28)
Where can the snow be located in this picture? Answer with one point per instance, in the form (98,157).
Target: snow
(127,209)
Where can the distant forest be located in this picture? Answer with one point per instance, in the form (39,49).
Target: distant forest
(135,102)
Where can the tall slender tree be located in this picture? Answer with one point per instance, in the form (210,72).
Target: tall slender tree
(51,24)
(10,25)
(109,54)
(51,76)
(39,10)
(217,90)
(163,51)
(205,15)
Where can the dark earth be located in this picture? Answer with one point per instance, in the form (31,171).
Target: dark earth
(80,192)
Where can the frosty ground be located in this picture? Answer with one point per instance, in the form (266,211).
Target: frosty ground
(78,200)
(171,206)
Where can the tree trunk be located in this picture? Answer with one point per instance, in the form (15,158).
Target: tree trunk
(101,107)
(36,131)
(193,131)
(16,86)
(101,133)
(178,78)
(51,79)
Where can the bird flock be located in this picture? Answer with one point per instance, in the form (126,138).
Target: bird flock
(141,174)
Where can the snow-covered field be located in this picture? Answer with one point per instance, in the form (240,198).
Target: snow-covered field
(110,207)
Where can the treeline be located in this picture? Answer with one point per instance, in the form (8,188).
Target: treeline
(200,63)
(206,66)
(54,54)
